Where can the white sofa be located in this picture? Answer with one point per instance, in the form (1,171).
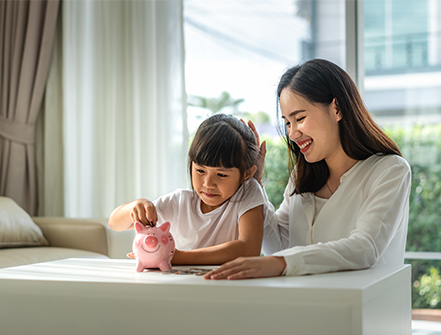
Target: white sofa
(70,238)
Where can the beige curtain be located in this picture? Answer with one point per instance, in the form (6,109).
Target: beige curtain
(26,38)
(113,127)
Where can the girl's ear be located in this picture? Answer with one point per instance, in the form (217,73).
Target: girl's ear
(250,172)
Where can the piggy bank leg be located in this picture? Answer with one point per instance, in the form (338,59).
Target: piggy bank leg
(165,266)
(139,267)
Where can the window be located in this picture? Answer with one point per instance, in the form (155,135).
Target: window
(403,92)
(236,52)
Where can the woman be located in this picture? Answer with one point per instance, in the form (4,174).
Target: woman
(346,205)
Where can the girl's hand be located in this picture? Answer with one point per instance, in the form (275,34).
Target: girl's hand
(144,210)
(131,255)
(262,152)
(251,267)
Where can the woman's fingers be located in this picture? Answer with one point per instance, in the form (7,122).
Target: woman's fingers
(227,270)
(251,267)
(256,134)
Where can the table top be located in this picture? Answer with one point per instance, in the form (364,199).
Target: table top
(122,271)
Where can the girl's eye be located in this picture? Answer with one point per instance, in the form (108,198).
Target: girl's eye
(287,124)
(199,171)
(300,119)
(222,175)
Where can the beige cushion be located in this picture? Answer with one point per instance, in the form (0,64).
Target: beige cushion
(17,228)
(23,256)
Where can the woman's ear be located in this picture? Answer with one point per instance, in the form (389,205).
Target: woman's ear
(250,172)
(336,109)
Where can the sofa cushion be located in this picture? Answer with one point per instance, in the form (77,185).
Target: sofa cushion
(24,256)
(16,226)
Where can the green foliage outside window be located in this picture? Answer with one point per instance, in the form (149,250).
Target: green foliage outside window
(426,290)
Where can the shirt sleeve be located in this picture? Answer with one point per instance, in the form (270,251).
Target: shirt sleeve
(276,227)
(167,206)
(253,197)
(381,215)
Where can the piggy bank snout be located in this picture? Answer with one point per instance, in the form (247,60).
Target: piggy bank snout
(151,241)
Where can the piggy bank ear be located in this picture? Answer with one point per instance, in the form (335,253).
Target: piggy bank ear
(138,226)
(165,227)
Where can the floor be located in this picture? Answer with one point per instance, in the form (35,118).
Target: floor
(426,328)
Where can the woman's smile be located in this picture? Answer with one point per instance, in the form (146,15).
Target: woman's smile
(304,145)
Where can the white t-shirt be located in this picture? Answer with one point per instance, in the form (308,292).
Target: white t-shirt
(363,223)
(193,229)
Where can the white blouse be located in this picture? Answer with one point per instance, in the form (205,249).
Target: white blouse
(362,224)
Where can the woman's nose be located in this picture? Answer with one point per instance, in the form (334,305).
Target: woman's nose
(294,134)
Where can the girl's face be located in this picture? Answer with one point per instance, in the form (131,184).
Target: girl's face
(215,185)
(312,127)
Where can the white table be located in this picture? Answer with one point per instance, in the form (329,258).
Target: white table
(96,296)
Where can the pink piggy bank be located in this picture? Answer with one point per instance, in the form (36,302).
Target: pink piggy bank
(153,247)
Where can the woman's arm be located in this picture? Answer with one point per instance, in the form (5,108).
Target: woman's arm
(276,229)
(380,225)
(249,243)
(123,217)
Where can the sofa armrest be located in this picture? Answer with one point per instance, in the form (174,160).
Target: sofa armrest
(86,234)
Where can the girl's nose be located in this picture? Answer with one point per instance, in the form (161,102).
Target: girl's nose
(209,182)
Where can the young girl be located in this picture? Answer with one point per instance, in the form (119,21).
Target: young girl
(222,217)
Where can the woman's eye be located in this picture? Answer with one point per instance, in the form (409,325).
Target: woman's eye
(300,119)
(287,124)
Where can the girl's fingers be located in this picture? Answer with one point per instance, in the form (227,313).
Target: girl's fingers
(136,215)
(151,214)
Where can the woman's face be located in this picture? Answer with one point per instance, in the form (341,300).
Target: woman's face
(313,127)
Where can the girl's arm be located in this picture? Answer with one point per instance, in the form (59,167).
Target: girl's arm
(123,217)
(249,243)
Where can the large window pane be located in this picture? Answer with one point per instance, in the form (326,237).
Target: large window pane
(236,52)
(403,92)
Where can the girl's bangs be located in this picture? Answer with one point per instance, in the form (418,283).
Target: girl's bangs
(219,147)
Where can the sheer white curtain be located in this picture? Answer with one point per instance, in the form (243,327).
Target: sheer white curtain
(123,102)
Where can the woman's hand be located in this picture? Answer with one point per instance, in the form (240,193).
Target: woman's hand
(144,211)
(251,267)
(262,152)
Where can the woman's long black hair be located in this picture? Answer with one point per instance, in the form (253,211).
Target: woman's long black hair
(320,82)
